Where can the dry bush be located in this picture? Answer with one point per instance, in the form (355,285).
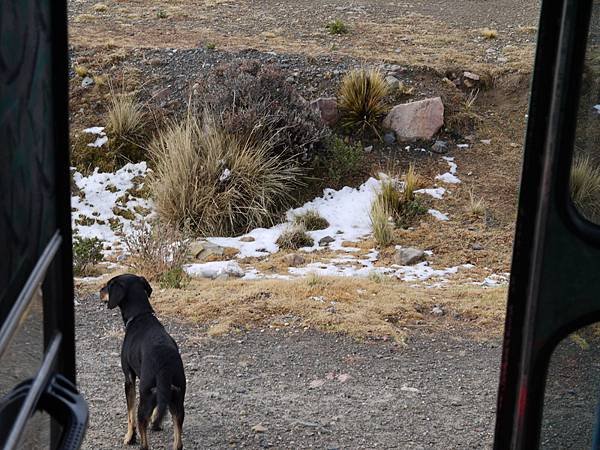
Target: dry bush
(383,231)
(402,206)
(311,220)
(158,251)
(411,184)
(489,33)
(294,237)
(585,187)
(256,103)
(361,99)
(476,206)
(221,184)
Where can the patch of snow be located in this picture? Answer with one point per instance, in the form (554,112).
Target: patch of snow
(462,145)
(597,108)
(448,178)
(225,175)
(495,280)
(99,142)
(437,193)
(95,130)
(214,269)
(437,214)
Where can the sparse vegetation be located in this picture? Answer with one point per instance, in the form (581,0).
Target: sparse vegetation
(311,220)
(211,46)
(337,26)
(411,184)
(341,162)
(489,33)
(361,99)
(158,252)
(402,206)
(221,184)
(294,237)
(585,186)
(161,14)
(476,206)
(81,71)
(100,7)
(87,252)
(380,216)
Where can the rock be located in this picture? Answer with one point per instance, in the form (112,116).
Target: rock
(471,76)
(392,82)
(247,239)
(87,82)
(407,256)
(477,246)
(389,138)
(486,141)
(439,147)
(290,79)
(326,241)
(437,311)
(230,252)
(369,149)
(294,259)
(395,68)
(203,250)
(327,108)
(259,428)
(416,120)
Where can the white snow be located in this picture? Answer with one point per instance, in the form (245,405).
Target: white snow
(437,193)
(95,130)
(225,175)
(214,269)
(462,145)
(597,108)
(346,210)
(97,201)
(99,142)
(437,214)
(449,177)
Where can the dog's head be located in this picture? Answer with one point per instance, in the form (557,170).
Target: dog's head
(119,287)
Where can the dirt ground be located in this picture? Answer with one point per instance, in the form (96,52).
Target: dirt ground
(306,388)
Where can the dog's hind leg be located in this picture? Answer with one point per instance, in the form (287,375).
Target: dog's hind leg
(178,414)
(130,397)
(155,421)
(147,404)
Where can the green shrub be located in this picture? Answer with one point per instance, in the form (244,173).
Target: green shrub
(341,160)
(337,26)
(87,252)
(174,278)
(311,220)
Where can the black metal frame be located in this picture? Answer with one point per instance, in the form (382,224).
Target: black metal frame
(548,296)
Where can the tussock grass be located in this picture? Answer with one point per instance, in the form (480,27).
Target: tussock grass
(489,33)
(126,117)
(383,231)
(100,7)
(476,206)
(294,237)
(411,184)
(361,99)
(219,183)
(311,220)
(337,26)
(81,71)
(585,186)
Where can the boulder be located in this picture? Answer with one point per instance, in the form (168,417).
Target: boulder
(407,256)
(204,250)
(389,138)
(392,82)
(326,241)
(327,108)
(416,120)
(294,259)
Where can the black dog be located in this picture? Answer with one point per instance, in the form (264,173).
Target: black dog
(151,355)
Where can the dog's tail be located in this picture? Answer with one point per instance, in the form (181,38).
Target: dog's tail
(163,395)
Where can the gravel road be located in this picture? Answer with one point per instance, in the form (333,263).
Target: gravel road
(304,389)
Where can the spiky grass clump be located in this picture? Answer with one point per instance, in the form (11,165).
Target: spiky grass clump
(81,71)
(222,185)
(126,116)
(585,187)
(337,26)
(411,184)
(476,206)
(294,237)
(489,33)
(380,215)
(311,220)
(401,205)
(361,99)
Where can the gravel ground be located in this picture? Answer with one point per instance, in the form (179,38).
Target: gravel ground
(305,389)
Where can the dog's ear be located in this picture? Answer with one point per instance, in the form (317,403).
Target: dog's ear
(147,286)
(116,293)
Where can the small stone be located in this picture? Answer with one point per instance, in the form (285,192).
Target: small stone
(477,246)
(290,79)
(259,428)
(408,256)
(326,241)
(486,141)
(395,68)
(369,149)
(392,82)
(247,239)
(87,82)
(440,147)
(437,311)
(294,259)
(471,76)
(389,138)
(416,120)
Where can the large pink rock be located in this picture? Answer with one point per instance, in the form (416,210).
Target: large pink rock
(328,109)
(416,120)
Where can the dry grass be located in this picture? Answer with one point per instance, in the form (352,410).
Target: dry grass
(489,33)
(362,308)
(220,184)
(81,71)
(361,99)
(585,187)
(100,7)
(476,206)
(311,220)
(126,117)
(294,237)
(380,213)
(411,184)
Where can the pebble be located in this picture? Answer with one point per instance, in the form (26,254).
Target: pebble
(87,82)
(389,138)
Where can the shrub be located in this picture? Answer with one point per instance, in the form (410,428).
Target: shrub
(403,206)
(256,103)
(383,231)
(341,161)
(294,237)
(361,99)
(311,220)
(337,26)
(81,71)
(126,127)
(476,206)
(489,33)
(158,252)
(87,252)
(221,184)
(411,184)
(585,187)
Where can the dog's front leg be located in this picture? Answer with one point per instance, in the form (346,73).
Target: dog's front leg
(130,396)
